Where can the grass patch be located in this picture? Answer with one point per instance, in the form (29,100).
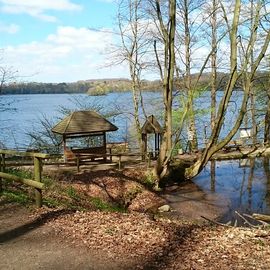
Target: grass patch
(51,202)
(56,194)
(104,206)
(149,179)
(16,197)
(20,173)
(73,193)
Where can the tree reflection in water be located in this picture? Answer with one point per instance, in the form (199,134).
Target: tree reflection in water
(244,183)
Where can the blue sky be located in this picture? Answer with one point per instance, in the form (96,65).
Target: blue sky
(50,40)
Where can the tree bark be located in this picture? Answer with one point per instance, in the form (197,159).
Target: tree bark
(191,116)
(168,83)
(213,145)
(213,62)
(131,41)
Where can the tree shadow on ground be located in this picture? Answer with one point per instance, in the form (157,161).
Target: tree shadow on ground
(116,184)
(177,250)
(32,225)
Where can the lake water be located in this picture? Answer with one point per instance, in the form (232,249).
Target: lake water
(24,113)
(244,187)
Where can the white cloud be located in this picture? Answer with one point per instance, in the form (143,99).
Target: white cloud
(9,28)
(107,1)
(70,54)
(80,38)
(37,8)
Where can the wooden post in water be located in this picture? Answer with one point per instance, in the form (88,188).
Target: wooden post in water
(37,172)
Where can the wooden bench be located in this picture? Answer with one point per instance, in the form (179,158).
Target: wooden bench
(118,147)
(232,145)
(87,154)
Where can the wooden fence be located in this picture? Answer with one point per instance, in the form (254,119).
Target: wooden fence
(35,183)
(82,158)
(38,165)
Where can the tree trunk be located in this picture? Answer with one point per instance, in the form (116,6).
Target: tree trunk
(131,42)
(267,124)
(213,63)
(191,116)
(252,91)
(168,83)
(247,73)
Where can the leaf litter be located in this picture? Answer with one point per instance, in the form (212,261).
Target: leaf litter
(166,244)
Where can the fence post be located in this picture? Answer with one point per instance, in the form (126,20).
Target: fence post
(3,163)
(78,163)
(2,169)
(119,162)
(1,183)
(37,172)
(148,160)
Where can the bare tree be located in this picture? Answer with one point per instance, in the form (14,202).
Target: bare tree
(187,31)
(133,31)
(213,61)
(246,72)
(166,18)
(7,75)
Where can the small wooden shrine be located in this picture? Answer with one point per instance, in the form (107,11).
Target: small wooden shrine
(151,126)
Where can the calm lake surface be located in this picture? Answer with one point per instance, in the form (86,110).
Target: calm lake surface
(24,113)
(243,186)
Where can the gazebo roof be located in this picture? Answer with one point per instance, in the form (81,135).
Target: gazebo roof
(83,122)
(151,125)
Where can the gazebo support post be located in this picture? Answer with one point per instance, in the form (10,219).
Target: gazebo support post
(159,138)
(64,147)
(144,143)
(105,145)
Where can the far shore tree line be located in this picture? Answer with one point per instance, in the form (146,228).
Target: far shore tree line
(193,46)
(91,87)
(106,86)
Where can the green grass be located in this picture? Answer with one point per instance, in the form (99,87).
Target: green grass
(72,193)
(51,202)
(16,197)
(20,173)
(149,179)
(55,195)
(105,206)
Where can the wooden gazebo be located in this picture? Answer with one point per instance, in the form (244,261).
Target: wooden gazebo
(151,126)
(87,125)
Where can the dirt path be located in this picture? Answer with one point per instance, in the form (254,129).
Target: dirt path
(98,240)
(29,243)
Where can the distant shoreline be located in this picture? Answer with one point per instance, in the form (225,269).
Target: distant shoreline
(105,86)
(91,87)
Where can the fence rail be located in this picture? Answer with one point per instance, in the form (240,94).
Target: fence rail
(35,183)
(39,162)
